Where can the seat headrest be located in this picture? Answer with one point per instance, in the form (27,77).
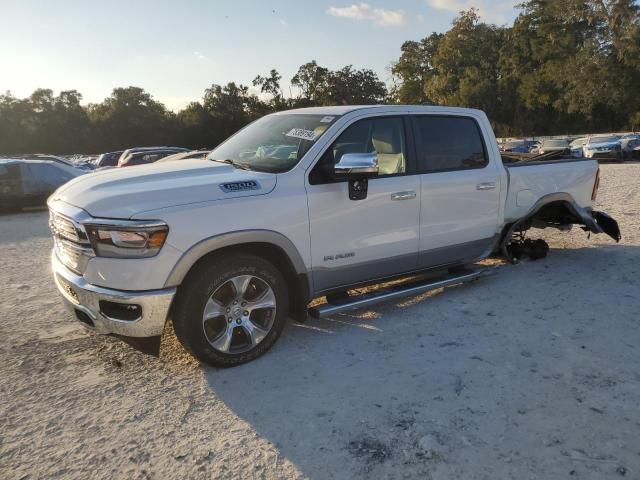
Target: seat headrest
(385,138)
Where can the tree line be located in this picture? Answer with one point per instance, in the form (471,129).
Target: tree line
(563,66)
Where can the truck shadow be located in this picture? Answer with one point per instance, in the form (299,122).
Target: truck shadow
(449,362)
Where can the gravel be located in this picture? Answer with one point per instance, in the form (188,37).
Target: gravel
(533,372)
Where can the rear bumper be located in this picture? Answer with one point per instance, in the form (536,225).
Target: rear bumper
(88,303)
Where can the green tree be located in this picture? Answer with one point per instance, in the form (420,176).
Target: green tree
(348,86)
(414,70)
(270,85)
(130,116)
(312,81)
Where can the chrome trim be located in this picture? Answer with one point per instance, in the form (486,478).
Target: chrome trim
(70,238)
(408,195)
(124,224)
(486,186)
(352,164)
(365,301)
(155,304)
(73,255)
(67,228)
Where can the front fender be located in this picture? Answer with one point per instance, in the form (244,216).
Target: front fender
(209,245)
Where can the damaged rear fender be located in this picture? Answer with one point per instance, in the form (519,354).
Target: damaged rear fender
(607,224)
(560,209)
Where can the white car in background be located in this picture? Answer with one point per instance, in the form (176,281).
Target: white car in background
(553,145)
(606,147)
(630,145)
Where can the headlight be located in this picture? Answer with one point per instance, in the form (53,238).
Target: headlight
(123,239)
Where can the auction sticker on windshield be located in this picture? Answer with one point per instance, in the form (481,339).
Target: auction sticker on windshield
(302,133)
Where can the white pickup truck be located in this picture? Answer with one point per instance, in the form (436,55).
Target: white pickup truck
(298,205)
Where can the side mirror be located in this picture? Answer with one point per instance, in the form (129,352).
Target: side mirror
(356,166)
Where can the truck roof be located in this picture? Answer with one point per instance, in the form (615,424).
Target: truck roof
(344,109)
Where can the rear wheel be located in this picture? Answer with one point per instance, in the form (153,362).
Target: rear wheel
(231,310)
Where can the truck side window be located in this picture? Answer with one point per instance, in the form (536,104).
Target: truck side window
(384,136)
(448,143)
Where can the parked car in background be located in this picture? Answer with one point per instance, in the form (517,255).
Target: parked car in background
(629,146)
(514,147)
(195,154)
(109,159)
(604,147)
(126,153)
(554,145)
(143,157)
(519,146)
(578,142)
(28,182)
(42,156)
(577,146)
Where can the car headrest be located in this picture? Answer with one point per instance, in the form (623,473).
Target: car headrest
(385,138)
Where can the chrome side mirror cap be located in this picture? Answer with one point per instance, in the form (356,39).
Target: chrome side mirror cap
(356,166)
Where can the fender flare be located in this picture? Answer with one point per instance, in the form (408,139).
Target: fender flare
(211,244)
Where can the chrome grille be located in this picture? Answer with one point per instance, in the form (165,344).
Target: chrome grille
(72,245)
(64,227)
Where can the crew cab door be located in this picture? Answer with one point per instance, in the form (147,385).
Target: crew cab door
(460,190)
(355,241)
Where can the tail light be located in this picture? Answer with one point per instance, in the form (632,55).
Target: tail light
(596,185)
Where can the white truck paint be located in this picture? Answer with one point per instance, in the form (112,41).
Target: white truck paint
(409,221)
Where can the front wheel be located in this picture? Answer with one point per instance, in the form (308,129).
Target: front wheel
(231,310)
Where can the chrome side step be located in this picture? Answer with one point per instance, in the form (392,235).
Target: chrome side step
(392,293)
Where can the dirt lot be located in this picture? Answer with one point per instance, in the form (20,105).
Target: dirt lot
(532,373)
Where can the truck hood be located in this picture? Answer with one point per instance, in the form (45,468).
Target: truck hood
(125,192)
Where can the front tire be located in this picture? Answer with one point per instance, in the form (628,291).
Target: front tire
(231,310)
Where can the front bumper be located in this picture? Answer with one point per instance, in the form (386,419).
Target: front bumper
(603,154)
(87,303)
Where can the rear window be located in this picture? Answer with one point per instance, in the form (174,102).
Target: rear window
(448,143)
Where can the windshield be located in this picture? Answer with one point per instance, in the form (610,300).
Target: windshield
(274,143)
(607,139)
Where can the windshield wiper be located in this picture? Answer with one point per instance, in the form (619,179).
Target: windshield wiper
(235,163)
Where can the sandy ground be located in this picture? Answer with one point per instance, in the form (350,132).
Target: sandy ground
(532,373)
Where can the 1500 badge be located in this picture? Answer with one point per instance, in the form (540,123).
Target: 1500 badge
(339,256)
(240,186)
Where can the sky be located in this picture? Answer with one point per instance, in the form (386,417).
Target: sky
(176,49)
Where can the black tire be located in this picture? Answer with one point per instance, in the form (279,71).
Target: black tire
(198,288)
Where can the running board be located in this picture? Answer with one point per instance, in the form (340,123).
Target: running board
(364,300)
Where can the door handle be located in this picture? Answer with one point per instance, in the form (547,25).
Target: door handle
(486,186)
(403,195)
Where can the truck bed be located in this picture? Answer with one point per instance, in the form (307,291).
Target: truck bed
(528,181)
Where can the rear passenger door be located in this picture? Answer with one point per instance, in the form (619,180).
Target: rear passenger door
(460,190)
